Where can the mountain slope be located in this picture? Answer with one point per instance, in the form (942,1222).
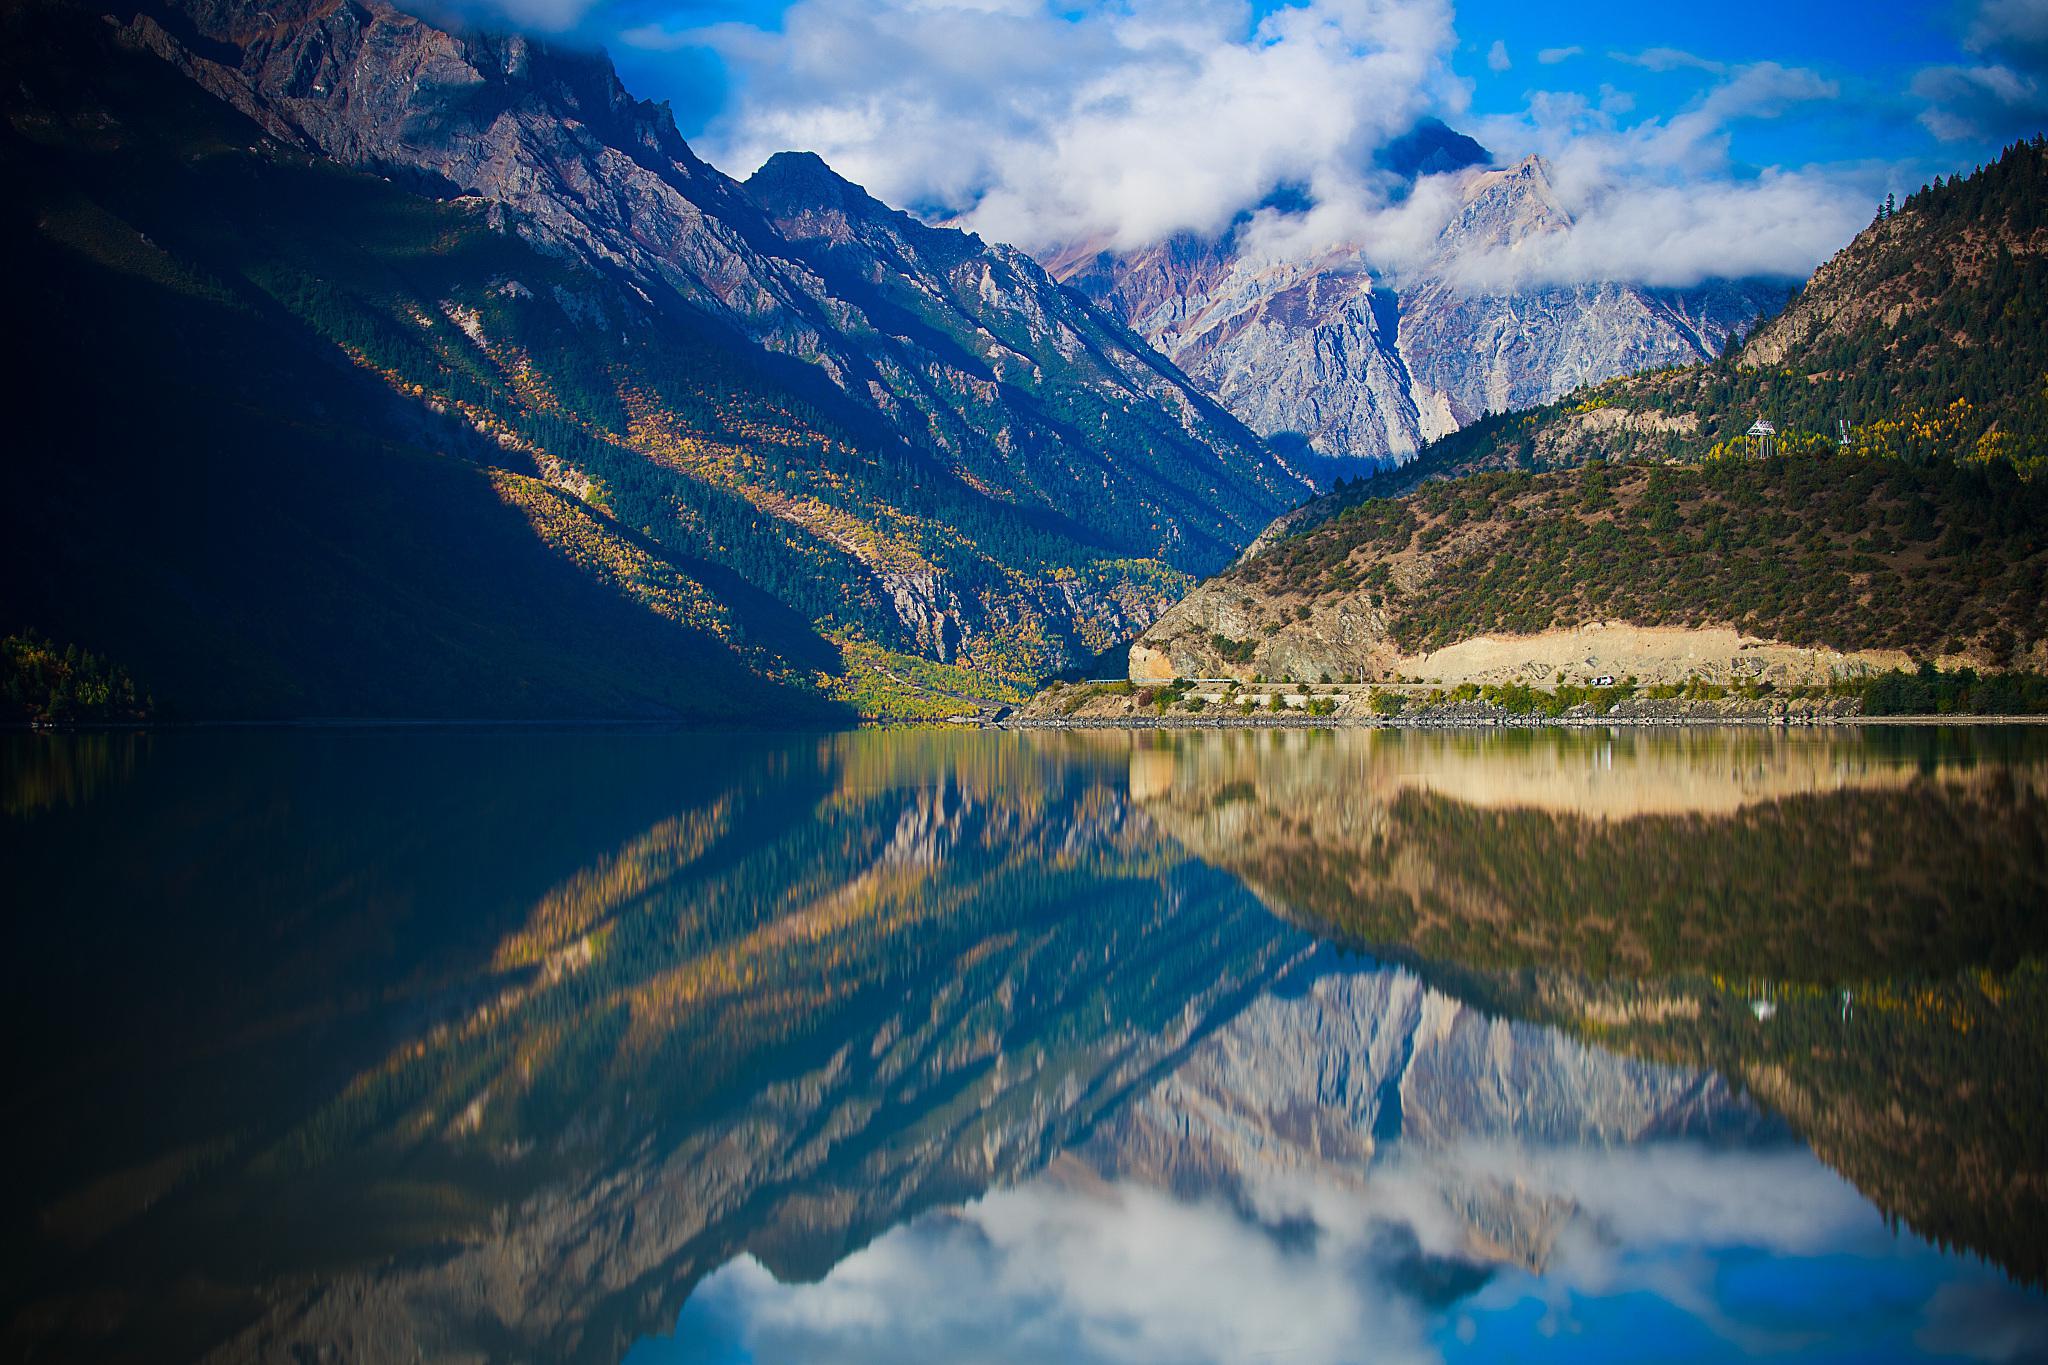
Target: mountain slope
(1361,364)
(363,450)
(206,487)
(555,144)
(1926,336)
(1923,540)
(1628,891)
(1794,570)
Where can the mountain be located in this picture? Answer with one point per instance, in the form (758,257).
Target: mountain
(1363,364)
(1926,337)
(1318,1080)
(451,382)
(1924,539)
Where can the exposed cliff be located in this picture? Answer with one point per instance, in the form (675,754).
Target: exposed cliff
(959,345)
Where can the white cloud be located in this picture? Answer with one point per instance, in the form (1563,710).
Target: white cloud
(1497,58)
(1990,1322)
(1121,125)
(1980,102)
(1660,202)
(1068,1268)
(1551,56)
(2017,29)
(536,16)
(1113,127)
(1669,59)
(1123,1276)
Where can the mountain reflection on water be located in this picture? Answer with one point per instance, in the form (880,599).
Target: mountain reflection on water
(1135,1047)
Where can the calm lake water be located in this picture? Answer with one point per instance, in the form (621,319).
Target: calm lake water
(916,1046)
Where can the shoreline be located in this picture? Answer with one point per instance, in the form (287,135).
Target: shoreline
(1260,721)
(1504,722)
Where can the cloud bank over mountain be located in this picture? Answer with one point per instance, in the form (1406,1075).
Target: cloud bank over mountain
(1120,126)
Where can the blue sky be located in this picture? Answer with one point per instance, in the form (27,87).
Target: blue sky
(1873,50)
(1685,142)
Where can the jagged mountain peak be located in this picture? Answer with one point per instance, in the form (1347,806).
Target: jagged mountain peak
(1328,350)
(1921,336)
(1507,205)
(901,434)
(460,78)
(806,177)
(809,201)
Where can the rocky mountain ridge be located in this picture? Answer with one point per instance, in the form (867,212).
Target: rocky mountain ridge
(1848,549)
(1358,363)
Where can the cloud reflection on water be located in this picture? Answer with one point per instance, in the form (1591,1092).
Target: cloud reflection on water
(1711,1252)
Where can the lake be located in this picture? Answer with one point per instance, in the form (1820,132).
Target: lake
(1098,1046)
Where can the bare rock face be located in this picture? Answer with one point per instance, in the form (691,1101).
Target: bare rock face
(1364,365)
(963,348)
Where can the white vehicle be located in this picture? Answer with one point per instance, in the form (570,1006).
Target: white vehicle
(1604,680)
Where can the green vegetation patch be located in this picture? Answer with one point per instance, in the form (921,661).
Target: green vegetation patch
(43,683)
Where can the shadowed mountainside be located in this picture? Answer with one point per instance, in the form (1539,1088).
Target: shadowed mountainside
(447,381)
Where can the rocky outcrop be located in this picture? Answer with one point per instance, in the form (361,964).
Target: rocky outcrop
(1364,364)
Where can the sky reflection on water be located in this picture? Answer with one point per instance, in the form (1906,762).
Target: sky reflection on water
(1705,1254)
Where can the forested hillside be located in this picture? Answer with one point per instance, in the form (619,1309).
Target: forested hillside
(1831,552)
(294,439)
